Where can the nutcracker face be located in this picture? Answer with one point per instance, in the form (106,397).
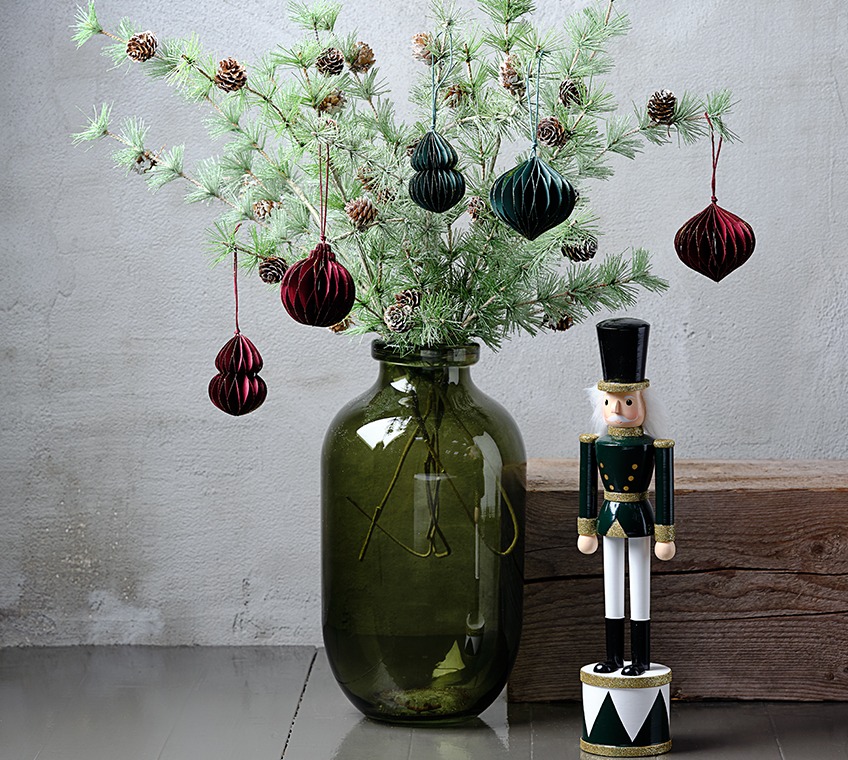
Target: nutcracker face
(624,409)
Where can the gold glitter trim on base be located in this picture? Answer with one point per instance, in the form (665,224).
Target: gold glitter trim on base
(587,526)
(609,751)
(625,497)
(623,432)
(588,438)
(611,387)
(664,533)
(624,682)
(663,443)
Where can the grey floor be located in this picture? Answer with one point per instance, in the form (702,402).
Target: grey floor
(267,703)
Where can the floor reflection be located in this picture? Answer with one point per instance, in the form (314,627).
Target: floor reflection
(475,740)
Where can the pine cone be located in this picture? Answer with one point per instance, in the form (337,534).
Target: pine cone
(330,62)
(141,47)
(385,195)
(398,318)
(455,95)
(410,149)
(421,43)
(559,325)
(475,207)
(409,297)
(144,162)
(582,251)
(262,208)
(333,103)
(550,132)
(363,58)
(510,76)
(271,270)
(248,181)
(231,75)
(569,93)
(366,179)
(362,212)
(661,107)
(340,327)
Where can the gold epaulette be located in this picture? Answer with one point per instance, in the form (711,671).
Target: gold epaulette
(663,443)
(588,438)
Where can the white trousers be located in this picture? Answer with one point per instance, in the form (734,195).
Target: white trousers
(639,551)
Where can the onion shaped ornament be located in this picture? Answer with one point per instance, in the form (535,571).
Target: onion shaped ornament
(436,185)
(237,389)
(715,242)
(532,198)
(318,290)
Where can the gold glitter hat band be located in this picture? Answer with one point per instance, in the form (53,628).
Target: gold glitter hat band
(608,751)
(611,387)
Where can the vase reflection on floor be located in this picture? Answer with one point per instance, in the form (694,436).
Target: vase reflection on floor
(422,541)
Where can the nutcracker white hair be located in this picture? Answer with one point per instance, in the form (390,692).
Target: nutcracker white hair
(656,422)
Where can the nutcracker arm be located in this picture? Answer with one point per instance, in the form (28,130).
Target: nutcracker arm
(587,522)
(664,488)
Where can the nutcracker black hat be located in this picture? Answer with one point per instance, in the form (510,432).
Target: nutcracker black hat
(624,352)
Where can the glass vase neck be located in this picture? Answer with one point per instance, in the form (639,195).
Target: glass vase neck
(427,356)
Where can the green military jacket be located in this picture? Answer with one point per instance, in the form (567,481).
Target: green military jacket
(624,460)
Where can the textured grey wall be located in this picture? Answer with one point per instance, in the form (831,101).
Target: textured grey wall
(134,511)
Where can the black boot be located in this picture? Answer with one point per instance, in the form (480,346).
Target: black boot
(615,646)
(640,648)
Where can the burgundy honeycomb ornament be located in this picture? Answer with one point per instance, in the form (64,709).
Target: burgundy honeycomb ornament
(318,290)
(715,242)
(237,389)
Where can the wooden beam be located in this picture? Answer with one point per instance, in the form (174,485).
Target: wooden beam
(754,606)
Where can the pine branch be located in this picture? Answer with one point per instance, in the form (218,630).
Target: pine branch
(86,25)
(477,278)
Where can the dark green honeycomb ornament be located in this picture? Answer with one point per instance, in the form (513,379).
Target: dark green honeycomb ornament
(436,185)
(532,198)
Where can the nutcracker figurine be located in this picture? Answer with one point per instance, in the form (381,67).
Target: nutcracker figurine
(626,704)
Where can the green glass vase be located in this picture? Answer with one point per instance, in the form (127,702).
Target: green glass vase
(423,488)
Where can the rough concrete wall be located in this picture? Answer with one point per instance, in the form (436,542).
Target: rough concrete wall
(133,511)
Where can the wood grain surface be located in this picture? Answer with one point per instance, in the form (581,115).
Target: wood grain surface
(754,605)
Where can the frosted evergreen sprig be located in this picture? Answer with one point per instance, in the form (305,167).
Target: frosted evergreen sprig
(478,279)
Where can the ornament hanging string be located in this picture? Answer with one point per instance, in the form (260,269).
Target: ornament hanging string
(235,276)
(533,112)
(323,189)
(716,154)
(435,86)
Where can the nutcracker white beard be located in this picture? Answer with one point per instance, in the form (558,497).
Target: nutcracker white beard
(656,422)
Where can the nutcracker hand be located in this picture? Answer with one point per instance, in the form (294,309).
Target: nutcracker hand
(665,550)
(587,544)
